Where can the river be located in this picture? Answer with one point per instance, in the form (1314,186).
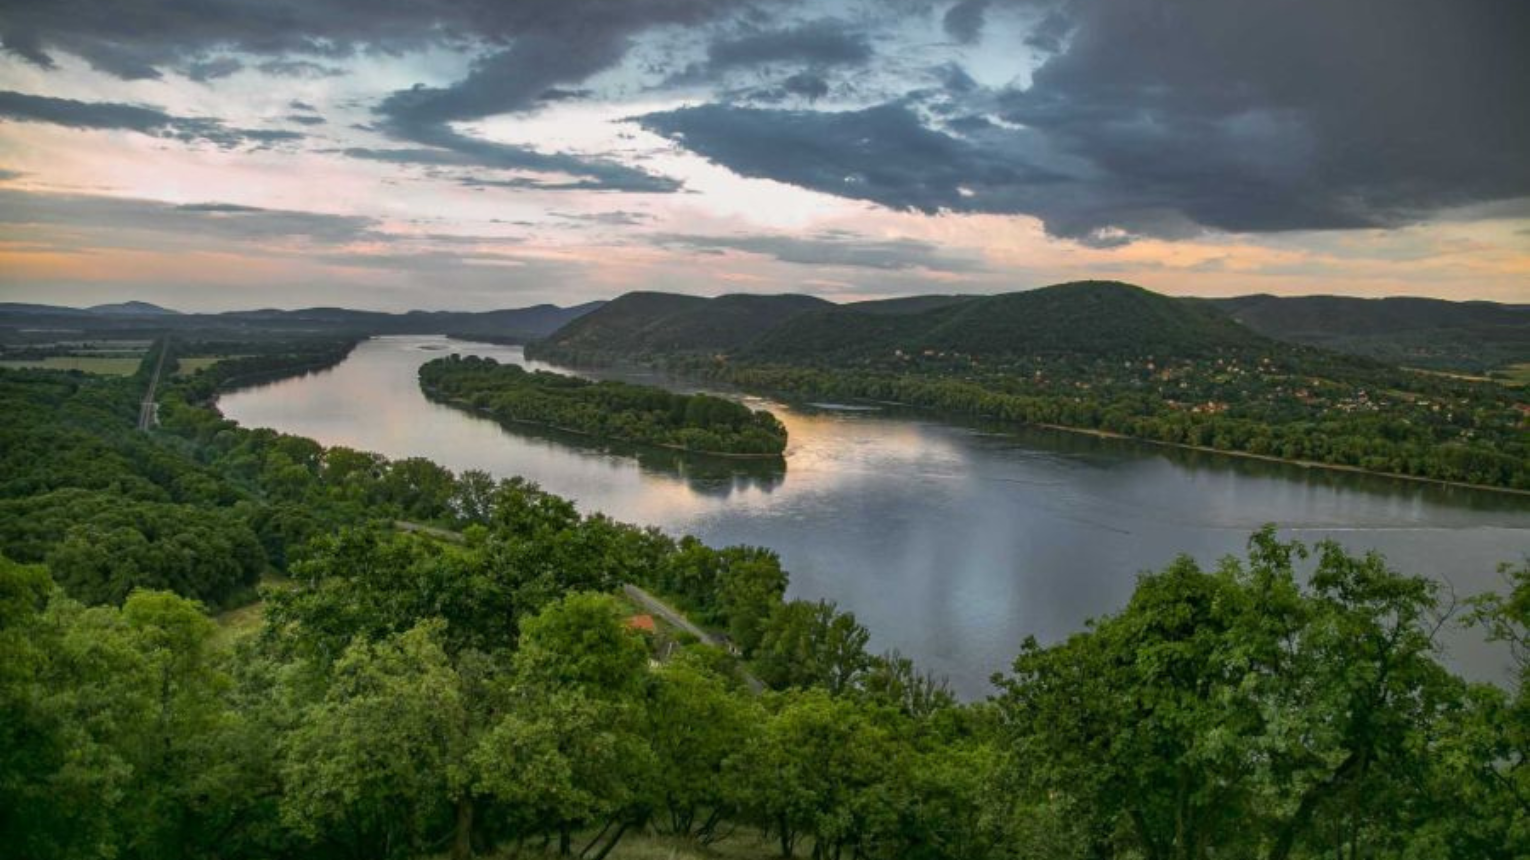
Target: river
(951,542)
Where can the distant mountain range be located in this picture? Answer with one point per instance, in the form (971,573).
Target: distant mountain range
(144,319)
(1084,317)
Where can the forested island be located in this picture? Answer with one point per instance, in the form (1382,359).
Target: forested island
(1097,356)
(482,687)
(619,411)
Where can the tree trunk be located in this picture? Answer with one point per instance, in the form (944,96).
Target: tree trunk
(615,838)
(462,835)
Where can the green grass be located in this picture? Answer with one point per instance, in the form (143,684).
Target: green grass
(88,364)
(1514,374)
(188,366)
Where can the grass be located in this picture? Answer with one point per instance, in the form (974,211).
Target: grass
(187,366)
(1514,374)
(116,366)
(237,623)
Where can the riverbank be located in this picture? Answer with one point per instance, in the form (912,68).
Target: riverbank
(435,396)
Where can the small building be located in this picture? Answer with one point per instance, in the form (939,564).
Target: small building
(642,624)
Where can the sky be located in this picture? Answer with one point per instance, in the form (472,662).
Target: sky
(475,154)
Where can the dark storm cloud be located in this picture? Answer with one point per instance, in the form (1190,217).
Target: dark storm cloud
(305,119)
(136,38)
(145,120)
(883,154)
(1165,117)
(826,42)
(964,21)
(832,248)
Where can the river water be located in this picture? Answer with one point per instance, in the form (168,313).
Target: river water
(951,542)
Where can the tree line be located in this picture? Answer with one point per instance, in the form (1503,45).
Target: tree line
(609,410)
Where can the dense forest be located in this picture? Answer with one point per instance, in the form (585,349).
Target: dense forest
(483,687)
(609,410)
(1107,357)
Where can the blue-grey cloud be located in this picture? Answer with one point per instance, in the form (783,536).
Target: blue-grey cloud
(23,107)
(884,154)
(1169,117)
(833,248)
(215,220)
(825,42)
(964,21)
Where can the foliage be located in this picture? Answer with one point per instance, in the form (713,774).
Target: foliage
(609,410)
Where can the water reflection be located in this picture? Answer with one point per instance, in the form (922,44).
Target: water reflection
(950,541)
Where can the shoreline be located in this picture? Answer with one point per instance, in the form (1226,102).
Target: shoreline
(1109,434)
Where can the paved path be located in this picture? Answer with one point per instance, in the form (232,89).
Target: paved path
(148,410)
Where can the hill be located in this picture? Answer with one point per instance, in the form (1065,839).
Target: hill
(1093,318)
(32,323)
(646,324)
(1473,337)
(132,308)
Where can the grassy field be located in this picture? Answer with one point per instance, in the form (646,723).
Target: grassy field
(1514,374)
(192,364)
(115,366)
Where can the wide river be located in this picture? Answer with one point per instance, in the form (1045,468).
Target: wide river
(951,542)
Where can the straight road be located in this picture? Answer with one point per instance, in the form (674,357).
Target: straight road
(148,410)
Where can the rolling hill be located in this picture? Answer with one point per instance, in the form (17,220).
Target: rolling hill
(21,323)
(1473,337)
(648,324)
(1089,317)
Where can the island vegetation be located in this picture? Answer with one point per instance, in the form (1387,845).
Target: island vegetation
(1101,357)
(478,684)
(619,411)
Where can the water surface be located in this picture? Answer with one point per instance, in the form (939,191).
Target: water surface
(951,542)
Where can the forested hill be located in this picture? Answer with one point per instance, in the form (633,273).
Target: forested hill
(1094,318)
(1094,355)
(661,323)
(1089,317)
(1474,337)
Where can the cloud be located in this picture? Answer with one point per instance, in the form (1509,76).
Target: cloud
(299,69)
(1167,118)
(457,150)
(305,119)
(616,218)
(964,21)
(202,71)
(833,248)
(821,43)
(884,154)
(213,220)
(8,175)
(70,113)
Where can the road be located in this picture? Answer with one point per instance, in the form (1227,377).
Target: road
(670,614)
(148,410)
(676,618)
